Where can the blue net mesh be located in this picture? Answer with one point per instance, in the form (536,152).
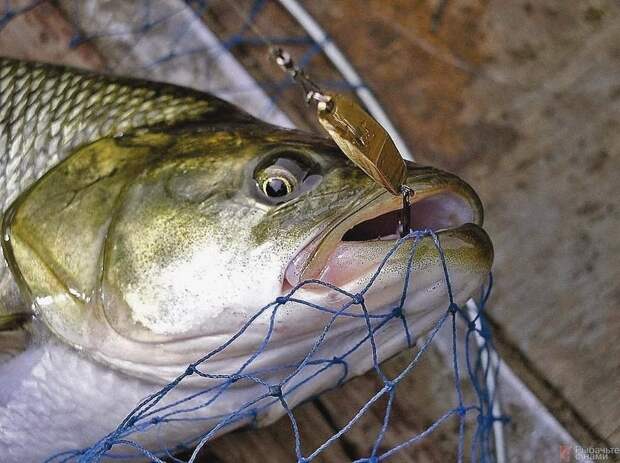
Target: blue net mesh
(125,45)
(151,414)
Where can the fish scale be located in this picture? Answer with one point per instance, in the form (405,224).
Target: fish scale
(76,118)
(47,111)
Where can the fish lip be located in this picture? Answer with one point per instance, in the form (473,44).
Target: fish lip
(375,205)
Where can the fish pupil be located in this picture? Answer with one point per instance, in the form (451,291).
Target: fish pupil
(276,188)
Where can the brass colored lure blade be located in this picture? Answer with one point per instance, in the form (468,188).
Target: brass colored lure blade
(363,140)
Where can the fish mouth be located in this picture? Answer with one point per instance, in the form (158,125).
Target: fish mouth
(357,241)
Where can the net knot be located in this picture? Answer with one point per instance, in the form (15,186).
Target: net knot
(156,420)
(389,385)
(462,412)
(471,326)
(454,308)
(357,299)
(234,378)
(397,312)
(281,300)
(275,390)
(190,370)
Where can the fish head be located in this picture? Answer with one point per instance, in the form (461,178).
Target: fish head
(148,249)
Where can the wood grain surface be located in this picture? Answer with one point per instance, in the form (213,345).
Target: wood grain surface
(523,100)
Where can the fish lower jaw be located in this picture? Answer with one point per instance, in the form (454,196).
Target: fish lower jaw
(352,264)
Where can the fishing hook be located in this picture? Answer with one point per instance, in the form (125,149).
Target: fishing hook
(405,214)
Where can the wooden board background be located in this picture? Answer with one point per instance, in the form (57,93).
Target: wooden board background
(523,100)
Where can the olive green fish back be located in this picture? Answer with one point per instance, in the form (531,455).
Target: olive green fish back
(47,111)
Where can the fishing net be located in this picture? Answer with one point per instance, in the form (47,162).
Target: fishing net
(168,41)
(150,414)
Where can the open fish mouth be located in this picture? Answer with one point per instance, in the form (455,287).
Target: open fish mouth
(345,250)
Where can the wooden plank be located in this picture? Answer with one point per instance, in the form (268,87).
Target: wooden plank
(276,441)
(43,34)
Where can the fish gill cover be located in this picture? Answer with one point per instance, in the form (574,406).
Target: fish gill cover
(168,40)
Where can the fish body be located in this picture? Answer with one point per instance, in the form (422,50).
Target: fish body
(145,224)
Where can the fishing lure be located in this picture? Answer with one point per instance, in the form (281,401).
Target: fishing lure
(360,136)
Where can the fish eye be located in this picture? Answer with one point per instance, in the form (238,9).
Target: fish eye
(277,186)
(284,176)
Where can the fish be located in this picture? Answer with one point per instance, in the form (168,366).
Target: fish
(145,225)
